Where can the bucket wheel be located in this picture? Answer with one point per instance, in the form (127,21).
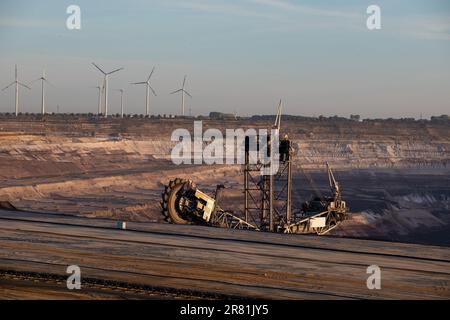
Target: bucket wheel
(174,201)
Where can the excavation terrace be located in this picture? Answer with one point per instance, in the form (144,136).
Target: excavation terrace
(65,181)
(394,173)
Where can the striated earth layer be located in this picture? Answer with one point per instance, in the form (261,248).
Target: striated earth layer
(395,175)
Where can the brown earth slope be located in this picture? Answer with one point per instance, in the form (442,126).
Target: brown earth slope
(394,175)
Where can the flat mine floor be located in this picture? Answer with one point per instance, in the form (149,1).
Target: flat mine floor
(151,260)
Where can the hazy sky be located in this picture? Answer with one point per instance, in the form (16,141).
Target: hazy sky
(241,55)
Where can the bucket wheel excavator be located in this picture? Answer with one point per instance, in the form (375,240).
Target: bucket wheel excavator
(183,203)
(268,202)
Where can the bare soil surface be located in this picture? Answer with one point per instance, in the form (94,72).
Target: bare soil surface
(213,261)
(394,176)
(71,180)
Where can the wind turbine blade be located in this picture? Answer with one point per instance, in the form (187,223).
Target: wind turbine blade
(115,71)
(151,73)
(99,68)
(9,85)
(154,93)
(138,83)
(50,83)
(184,81)
(23,85)
(187,93)
(176,91)
(35,80)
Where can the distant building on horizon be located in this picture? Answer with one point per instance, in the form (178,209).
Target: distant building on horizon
(221,116)
(444,117)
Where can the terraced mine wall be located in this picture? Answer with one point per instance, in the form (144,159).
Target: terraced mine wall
(395,175)
(70,142)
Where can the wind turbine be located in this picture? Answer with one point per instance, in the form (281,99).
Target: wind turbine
(17,83)
(121,102)
(105,84)
(148,87)
(43,81)
(182,95)
(100,91)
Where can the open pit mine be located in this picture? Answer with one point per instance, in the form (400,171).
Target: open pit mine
(103,194)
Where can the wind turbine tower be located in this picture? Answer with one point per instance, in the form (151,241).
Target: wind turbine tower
(17,83)
(121,102)
(182,95)
(148,88)
(100,92)
(43,81)
(105,83)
